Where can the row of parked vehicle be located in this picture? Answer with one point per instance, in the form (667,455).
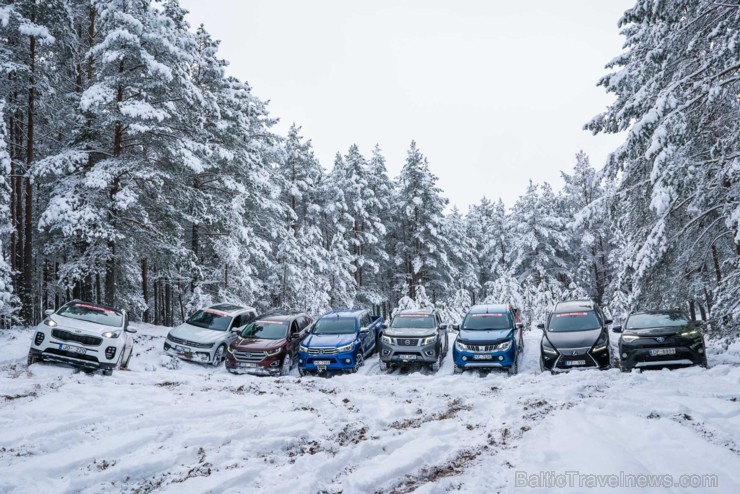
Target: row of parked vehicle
(92,336)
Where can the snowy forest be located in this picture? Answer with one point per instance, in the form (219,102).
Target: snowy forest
(135,172)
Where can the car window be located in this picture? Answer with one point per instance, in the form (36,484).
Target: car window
(488,321)
(92,313)
(666,319)
(418,321)
(294,327)
(365,320)
(335,325)
(574,321)
(210,319)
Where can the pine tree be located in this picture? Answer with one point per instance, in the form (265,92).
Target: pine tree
(8,302)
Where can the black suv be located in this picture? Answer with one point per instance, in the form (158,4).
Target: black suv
(660,338)
(576,336)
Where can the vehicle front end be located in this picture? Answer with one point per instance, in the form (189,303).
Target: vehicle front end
(398,347)
(77,343)
(186,349)
(484,354)
(317,357)
(255,361)
(683,348)
(563,357)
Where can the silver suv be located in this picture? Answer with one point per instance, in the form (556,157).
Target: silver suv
(83,334)
(206,335)
(414,336)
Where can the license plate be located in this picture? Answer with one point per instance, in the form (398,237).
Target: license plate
(407,357)
(75,349)
(247,364)
(482,357)
(575,362)
(662,351)
(322,363)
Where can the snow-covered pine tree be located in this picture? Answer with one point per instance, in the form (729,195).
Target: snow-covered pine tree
(462,250)
(417,239)
(541,240)
(8,302)
(676,89)
(378,284)
(487,223)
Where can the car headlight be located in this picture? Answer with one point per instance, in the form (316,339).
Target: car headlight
(50,322)
(275,351)
(630,337)
(112,334)
(428,340)
(548,348)
(346,348)
(302,348)
(387,339)
(502,347)
(690,333)
(601,344)
(460,346)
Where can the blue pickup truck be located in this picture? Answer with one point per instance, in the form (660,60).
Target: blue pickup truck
(340,341)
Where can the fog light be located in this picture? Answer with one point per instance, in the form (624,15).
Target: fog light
(500,357)
(386,352)
(39,338)
(275,363)
(110,352)
(701,350)
(465,358)
(430,353)
(300,360)
(348,361)
(624,355)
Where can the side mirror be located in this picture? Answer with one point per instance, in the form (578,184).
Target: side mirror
(617,329)
(443,326)
(383,327)
(608,321)
(456,327)
(519,325)
(129,329)
(541,325)
(48,312)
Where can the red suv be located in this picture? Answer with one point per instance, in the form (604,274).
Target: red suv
(268,346)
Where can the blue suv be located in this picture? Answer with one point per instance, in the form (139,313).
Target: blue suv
(340,341)
(490,337)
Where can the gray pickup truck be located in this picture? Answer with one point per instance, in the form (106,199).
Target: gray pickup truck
(415,336)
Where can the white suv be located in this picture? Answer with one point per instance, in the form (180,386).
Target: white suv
(206,335)
(84,335)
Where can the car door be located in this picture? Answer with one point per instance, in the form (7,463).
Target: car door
(295,337)
(238,322)
(369,337)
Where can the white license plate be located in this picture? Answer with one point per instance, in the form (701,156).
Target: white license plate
(575,362)
(322,363)
(75,349)
(482,357)
(662,351)
(247,364)
(407,357)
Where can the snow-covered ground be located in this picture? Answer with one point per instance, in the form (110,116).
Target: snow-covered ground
(170,426)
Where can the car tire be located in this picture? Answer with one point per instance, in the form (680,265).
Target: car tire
(457,369)
(625,369)
(514,368)
(124,365)
(360,361)
(107,372)
(377,343)
(437,363)
(384,366)
(286,365)
(33,358)
(219,356)
(542,366)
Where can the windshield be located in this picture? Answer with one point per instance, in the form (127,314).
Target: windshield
(666,319)
(574,321)
(210,319)
(266,330)
(421,321)
(488,321)
(335,325)
(92,313)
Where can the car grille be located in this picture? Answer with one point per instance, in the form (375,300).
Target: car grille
(407,341)
(250,356)
(481,348)
(79,338)
(193,344)
(73,355)
(322,351)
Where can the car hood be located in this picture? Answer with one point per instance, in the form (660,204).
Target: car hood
(485,336)
(573,339)
(196,334)
(69,324)
(258,344)
(664,331)
(329,340)
(412,332)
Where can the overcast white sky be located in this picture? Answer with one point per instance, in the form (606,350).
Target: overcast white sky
(494,93)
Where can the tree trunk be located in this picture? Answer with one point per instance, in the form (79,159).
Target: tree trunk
(715,258)
(111,261)
(145,288)
(27,294)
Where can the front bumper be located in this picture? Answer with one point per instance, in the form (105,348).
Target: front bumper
(567,359)
(269,366)
(481,360)
(87,361)
(400,354)
(202,355)
(345,361)
(638,356)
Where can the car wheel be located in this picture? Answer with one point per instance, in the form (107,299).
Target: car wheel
(384,366)
(286,365)
(360,361)
(33,358)
(542,366)
(514,369)
(377,343)
(218,357)
(457,369)
(124,365)
(624,369)
(437,363)
(107,372)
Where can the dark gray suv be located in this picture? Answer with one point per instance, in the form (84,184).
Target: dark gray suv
(414,336)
